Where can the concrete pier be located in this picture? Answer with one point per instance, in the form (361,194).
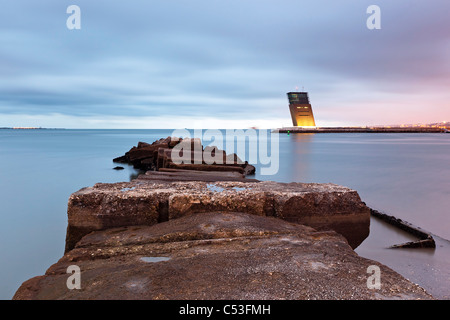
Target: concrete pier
(361,130)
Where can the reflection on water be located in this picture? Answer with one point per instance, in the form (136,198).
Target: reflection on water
(297,155)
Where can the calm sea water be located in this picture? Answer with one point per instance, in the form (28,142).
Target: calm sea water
(406,175)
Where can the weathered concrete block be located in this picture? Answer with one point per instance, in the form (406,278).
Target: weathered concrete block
(214,256)
(141,202)
(89,210)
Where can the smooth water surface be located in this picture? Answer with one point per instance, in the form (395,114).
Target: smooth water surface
(405,175)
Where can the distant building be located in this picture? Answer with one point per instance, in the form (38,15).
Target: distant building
(301,110)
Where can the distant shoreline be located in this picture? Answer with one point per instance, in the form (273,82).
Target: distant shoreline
(289,130)
(29,128)
(363,130)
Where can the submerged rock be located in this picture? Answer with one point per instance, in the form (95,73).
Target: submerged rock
(217,255)
(425,239)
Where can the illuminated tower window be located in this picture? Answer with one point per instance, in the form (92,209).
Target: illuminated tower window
(301,110)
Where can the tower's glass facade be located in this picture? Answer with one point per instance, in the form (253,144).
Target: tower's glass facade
(301,109)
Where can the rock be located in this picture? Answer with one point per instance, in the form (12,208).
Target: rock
(118,168)
(173,175)
(147,164)
(217,255)
(425,240)
(174,141)
(135,155)
(249,169)
(425,243)
(171,151)
(167,140)
(205,167)
(143,144)
(141,202)
(194,144)
(122,159)
(192,157)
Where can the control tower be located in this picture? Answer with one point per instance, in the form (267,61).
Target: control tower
(301,110)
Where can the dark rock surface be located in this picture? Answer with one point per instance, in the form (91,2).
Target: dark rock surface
(216,255)
(161,153)
(173,175)
(145,201)
(425,239)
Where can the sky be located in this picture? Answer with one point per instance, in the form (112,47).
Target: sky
(222,64)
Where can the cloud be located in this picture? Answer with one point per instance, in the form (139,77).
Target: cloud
(227,61)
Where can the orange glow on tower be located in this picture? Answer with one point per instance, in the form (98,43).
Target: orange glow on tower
(301,109)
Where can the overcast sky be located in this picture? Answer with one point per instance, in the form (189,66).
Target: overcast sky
(224,64)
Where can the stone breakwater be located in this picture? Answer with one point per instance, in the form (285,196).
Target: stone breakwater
(219,255)
(163,152)
(185,233)
(145,202)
